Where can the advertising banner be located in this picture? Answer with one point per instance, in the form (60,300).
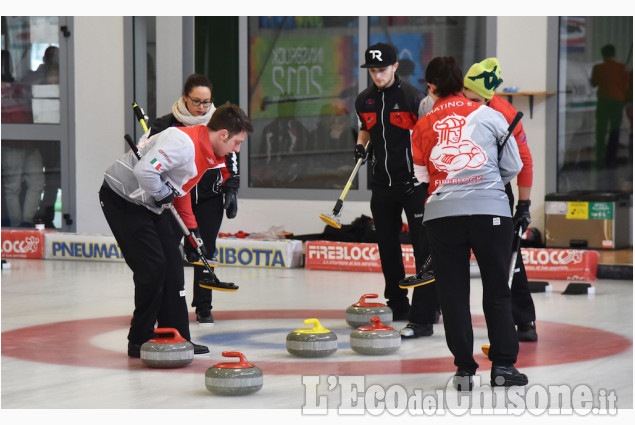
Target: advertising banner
(22,244)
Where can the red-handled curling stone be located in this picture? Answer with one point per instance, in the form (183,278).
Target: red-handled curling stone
(233,378)
(359,314)
(375,339)
(167,352)
(312,342)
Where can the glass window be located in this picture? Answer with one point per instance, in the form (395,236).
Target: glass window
(302,90)
(30,70)
(595,125)
(418,39)
(31,150)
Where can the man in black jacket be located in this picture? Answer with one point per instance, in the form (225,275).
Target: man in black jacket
(387,111)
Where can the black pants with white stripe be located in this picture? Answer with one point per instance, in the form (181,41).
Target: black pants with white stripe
(490,238)
(150,245)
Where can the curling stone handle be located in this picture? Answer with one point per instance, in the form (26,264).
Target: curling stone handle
(363,298)
(167,335)
(242,360)
(317,326)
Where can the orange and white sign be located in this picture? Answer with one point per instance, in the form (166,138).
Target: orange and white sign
(560,264)
(364,257)
(22,244)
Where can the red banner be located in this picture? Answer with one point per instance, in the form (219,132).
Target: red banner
(560,264)
(22,244)
(359,257)
(557,264)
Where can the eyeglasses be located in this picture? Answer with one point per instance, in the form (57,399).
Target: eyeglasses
(197,102)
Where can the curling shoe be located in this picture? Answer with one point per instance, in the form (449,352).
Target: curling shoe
(463,380)
(200,349)
(205,318)
(527,332)
(507,376)
(415,330)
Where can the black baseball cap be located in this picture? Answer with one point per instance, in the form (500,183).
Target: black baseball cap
(380,55)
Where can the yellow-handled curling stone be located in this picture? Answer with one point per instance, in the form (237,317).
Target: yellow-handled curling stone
(312,342)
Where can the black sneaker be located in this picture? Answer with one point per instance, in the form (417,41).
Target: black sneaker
(463,381)
(200,349)
(205,318)
(212,282)
(507,376)
(134,350)
(527,332)
(415,330)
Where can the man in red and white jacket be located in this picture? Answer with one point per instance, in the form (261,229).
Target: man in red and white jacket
(134,197)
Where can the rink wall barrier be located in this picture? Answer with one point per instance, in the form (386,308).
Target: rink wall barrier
(540,263)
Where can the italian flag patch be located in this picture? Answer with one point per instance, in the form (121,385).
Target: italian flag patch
(155,163)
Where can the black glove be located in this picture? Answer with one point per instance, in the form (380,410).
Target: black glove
(231,203)
(190,252)
(166,202)
(360,152)
(522,216)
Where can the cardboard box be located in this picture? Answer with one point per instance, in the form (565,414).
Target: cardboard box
(46,111)
(597,220)
(45,91)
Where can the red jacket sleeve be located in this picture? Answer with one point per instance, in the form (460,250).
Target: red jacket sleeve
(526,175)
(183,205)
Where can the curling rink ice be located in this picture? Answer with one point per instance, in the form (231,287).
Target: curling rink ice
(64,327)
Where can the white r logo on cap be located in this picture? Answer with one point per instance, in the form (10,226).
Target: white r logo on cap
(375,54)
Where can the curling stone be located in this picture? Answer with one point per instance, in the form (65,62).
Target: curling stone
(312,342)
(375,339)
(233,378)
(168,352)
(359,314)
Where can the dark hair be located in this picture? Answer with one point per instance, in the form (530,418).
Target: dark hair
(445,73)
(231,118)
(196,80)
(608,51)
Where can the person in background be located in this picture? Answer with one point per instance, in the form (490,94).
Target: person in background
(215,193)
(455,150)
(387,111)
(134,198)
(479,85)
(611,79)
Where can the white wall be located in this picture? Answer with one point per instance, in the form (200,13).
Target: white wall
(99,92)
(522,52)
(99,118)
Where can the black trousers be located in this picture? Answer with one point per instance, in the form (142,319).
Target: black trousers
(209,216)
(150,245)
(451,239)
(387,206)
(523,308)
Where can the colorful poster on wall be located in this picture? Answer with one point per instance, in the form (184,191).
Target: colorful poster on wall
(296,75)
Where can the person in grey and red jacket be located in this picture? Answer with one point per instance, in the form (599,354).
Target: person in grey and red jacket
(134,197)
(214,195)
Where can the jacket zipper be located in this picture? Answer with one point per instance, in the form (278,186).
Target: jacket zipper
(383,106)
